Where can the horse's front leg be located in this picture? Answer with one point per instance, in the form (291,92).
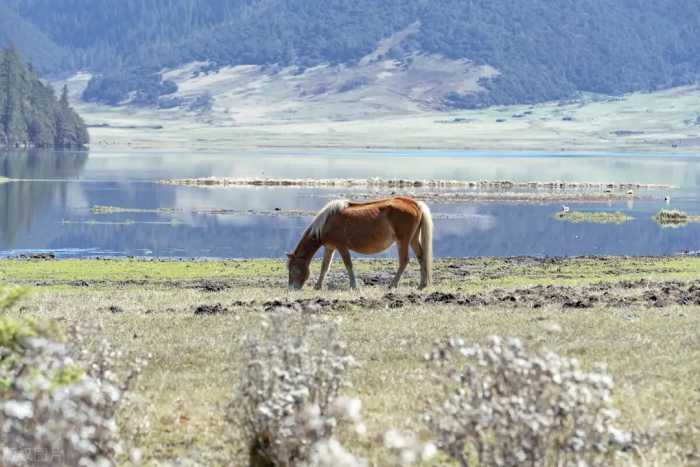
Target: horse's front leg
(345,254)
(403,261)
(325,266)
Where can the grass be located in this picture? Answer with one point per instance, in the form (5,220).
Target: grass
(653,354)
(593,217)
(276,117)
(480,273)
(674,218)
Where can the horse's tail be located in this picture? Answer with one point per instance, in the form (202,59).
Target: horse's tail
(426,239)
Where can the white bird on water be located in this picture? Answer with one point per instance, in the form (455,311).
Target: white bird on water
(667,199)
(565,209)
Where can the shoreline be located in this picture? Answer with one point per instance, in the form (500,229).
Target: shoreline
(513,150)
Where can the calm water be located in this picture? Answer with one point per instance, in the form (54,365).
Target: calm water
(49,209)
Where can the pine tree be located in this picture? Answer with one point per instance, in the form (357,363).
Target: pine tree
(16,130)
(70,129)
(30,115)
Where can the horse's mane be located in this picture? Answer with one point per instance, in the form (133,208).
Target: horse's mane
(335,206)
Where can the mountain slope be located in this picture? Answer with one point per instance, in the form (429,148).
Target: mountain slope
(542,49)
(34,45)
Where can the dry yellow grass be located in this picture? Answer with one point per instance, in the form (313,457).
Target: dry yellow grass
(653,354)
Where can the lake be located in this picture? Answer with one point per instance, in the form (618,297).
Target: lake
(48,207)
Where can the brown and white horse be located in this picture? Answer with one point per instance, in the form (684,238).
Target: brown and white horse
(366,228)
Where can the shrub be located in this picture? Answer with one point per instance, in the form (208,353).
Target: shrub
(505,407)
(58,405)
(288,404)
(406,449)
(9,296)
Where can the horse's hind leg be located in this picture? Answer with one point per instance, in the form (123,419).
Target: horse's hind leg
(418,250)
(403,261)
(325,265)
(345,254)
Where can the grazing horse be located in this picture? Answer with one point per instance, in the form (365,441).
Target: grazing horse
(366,228)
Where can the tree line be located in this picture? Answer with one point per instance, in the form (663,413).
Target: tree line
(30,113)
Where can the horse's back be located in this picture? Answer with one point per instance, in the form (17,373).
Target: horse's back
(371,227)
(399,204)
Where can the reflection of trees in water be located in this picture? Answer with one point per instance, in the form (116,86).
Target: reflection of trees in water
(41,164)
(22,201)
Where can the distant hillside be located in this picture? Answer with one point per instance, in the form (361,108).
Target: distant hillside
(34,45)
(541,49)
(30,115)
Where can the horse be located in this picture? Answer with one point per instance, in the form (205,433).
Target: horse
(367,228)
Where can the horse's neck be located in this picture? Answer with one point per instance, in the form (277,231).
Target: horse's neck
(308,246)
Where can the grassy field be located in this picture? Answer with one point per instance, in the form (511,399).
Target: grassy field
(662,121)
(638,315)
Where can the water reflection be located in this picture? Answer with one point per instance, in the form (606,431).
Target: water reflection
(41,164)
(23,202)
(47,206)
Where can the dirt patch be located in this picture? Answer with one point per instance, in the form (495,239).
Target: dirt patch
(215,309)
(210,286)
(39,256)
(377,279)
(617,294)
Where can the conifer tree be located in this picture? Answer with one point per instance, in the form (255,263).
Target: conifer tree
(30,115)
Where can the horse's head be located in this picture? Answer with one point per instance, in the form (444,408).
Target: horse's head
(298,271)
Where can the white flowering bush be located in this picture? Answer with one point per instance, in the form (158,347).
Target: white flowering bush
(329,452)
(406,449)
(57,404)
(289,405)
(504,407)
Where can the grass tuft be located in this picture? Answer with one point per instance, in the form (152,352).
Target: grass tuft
(674,218)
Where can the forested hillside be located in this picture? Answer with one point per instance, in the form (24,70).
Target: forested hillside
(35,46)
(543,49)
(30,114)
